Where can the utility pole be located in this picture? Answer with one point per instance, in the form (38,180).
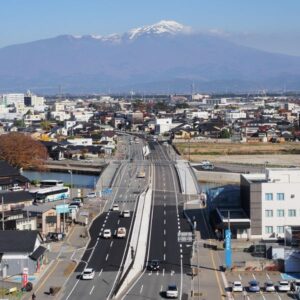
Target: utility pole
(3,224)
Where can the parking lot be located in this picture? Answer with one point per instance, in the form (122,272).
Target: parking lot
(261,277)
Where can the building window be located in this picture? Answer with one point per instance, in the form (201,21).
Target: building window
(280,229)
(280,196)
(280,212)
(269,229)
(292,212)
(268,196)
(269,213)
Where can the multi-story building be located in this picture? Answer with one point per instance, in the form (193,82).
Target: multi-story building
(12,99)
(271,201)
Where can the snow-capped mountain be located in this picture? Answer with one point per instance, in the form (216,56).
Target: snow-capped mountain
(162,27)
(166,56)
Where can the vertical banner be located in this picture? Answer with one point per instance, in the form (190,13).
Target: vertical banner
(228,261)
(25,277)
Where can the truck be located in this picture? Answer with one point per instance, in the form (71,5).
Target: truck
(121,232)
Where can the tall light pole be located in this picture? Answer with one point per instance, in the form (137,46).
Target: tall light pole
(71,174)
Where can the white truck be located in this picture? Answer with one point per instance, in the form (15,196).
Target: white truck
(121,232)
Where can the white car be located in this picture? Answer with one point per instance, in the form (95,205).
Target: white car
(205,162)
(284,286)
(172,291)
(296,285)
(88,274)
(91,195)
(115,207)
(126,214)
(106,234)
(237,286)
(269,286)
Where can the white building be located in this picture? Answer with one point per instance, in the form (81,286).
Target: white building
(12,99)
(272,201)
(81,141)
(163,125)
(234,115)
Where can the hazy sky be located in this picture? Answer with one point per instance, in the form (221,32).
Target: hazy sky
(273,25)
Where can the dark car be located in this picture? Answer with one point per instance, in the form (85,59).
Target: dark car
(153,265)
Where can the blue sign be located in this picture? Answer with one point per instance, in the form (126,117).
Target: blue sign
(62,208)
(107,191)
(228,261)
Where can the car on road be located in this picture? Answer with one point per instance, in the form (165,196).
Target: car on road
(172,291)
(75,204)
(205,162)
(106,234)
(295,285)
(78,200)
(237,286)
(115,207)
(283,286)
(121,232)
(254,286)
(207,167)
(126,214)
(269,286)
(91,195)
(153,265)
(88,274)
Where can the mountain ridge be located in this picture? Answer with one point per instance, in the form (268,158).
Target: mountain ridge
(164,52)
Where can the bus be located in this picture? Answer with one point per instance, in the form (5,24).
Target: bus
(49,194)
(50,183)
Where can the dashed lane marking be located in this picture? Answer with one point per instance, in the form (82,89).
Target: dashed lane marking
(111,243)
(165,243)
(91,291)
(163,273)
(100,273)
(141,289)
(107,255)
(164,256)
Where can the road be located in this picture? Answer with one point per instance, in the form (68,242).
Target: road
(166,222)
(106,256)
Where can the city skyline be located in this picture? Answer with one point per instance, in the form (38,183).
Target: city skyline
(266,25)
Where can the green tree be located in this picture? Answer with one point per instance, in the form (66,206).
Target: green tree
(225,134)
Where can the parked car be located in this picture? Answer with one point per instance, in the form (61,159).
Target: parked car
(153,265)
(172,291)
(269,286)
(115,207)
(254,286)
(284,286)
(106,234)
(88,274)
(126,214)
(295,285)
(237,286)
(91,195)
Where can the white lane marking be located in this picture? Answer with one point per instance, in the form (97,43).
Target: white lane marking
(163,271)
(165,198)
(165,243)
(107,255)
(150,273)
(104,221)
(118,222)
(111,243)
(165,221)
(157,273)
(268,276)
(164,256)
(100,273)
(164,231)
(91,291)
(253,276)
(240,277)
(141,289)
(164,212)
(165,204)
(172,273)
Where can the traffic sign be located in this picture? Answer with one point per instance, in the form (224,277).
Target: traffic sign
(62,208)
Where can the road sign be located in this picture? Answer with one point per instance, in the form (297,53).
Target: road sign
(62,208)
(228,261)
(107,191)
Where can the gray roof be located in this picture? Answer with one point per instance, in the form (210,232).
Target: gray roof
(15,197)
(18,241)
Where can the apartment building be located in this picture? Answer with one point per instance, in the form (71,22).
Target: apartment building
(271,201)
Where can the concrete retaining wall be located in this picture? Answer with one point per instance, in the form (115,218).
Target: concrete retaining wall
(220,177)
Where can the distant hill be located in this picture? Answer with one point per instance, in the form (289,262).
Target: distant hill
(164,57)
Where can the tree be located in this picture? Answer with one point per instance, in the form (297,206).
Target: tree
(46,125)
(225,134)
(22,151)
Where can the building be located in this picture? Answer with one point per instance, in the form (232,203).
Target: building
(20,250)
(12,99)
(271,201)
(11,177)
